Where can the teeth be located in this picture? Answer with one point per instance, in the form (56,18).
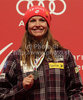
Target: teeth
(37,29)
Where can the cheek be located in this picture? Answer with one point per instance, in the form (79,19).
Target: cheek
(45,26)
(29,26)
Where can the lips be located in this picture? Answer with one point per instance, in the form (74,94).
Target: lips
(38,30)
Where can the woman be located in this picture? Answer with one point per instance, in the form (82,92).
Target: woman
(41,69)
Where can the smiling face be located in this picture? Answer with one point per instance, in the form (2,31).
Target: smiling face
(37,27)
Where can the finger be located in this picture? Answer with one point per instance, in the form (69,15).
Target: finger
(29,79)
(31,76)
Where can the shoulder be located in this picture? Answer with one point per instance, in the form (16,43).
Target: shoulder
(14,55)
(64,53)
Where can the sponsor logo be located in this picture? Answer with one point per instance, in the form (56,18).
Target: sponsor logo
(41,2)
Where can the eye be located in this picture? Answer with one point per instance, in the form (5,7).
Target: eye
(33,20)
(42,20)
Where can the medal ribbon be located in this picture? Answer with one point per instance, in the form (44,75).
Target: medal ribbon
(39,60)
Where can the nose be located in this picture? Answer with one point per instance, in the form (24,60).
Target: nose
(37,23)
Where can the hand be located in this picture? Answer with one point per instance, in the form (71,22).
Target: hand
(28,82)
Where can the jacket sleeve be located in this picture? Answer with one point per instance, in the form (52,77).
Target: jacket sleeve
(73,79)
(9,88)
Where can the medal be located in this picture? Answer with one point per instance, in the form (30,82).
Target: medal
(35,74)
(37,63)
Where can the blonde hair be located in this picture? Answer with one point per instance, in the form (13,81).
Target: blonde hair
(28,47)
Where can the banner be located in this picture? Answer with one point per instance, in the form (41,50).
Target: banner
(66,25)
